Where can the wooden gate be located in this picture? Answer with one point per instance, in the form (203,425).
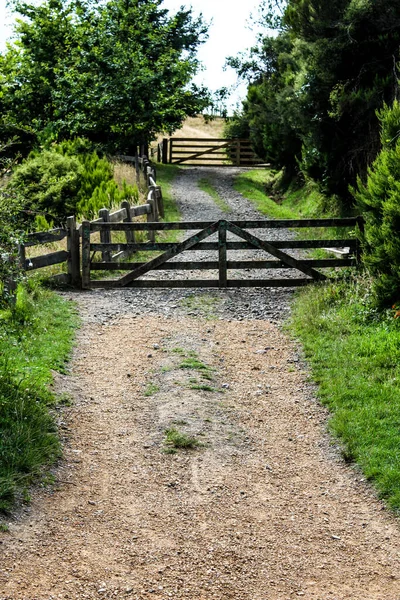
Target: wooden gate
(214,152)
(239,239)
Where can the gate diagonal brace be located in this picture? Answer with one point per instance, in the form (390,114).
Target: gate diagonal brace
(163,258)
(201,153)
(283,256)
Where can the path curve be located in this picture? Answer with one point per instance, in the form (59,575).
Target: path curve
(263,509)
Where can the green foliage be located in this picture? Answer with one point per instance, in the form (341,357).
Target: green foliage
(49,183)
(67,179)
(315,87)
(175,439)
(116,72)
(379,200)
(35,338)
(354,354)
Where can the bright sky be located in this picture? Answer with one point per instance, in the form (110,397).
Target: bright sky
(228,34)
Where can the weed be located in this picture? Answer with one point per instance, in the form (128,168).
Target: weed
(151,389)
(203,387)
(203,304)
(176,439)
(4,528)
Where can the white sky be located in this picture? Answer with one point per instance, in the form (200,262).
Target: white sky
(228,34)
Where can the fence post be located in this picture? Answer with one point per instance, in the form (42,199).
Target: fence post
(137,169)
(129,235)
(222,254)
(86,255)
(238,153)
(152,215)
(73,250)
(165,151)
(22,255)
(170,149)
(105,234)
(160,201)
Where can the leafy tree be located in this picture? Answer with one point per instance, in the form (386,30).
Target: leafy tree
(117,72)
(315,87)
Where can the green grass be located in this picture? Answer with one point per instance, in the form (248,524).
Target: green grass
(175,439)
(206,186)
(355,359)
(305,202)
(151,389)
(203,304)
(35,339)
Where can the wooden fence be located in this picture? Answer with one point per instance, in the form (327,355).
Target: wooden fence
(152,209)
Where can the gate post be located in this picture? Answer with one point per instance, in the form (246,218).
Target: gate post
(129,234)
(223,276)
(170,149)
(86,255)
(238,153)
(165,151)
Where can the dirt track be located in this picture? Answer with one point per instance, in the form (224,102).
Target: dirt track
(264,509)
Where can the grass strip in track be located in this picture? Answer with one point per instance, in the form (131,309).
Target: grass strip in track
(206,186)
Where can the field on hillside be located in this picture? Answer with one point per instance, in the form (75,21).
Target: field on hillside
(198,127)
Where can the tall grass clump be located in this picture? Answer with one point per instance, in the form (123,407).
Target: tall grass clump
(36,336)
(354,354)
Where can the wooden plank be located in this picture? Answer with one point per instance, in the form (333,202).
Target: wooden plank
(53,258)
(162,246)
(268,247)
(195,225)
(44,237)
(203,283)
(231,264)
(159,260)
(222,254)
(119,215)
(86,255)
(137,211)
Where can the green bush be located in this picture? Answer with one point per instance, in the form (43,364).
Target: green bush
(49,183)
(379,201)
(67,179)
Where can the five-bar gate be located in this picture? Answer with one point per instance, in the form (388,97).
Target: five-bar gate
(222,237)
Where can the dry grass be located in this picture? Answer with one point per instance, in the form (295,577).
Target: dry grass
(197,127)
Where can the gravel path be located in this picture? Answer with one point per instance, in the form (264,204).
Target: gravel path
(262,509)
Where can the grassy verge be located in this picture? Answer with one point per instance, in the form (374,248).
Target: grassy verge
(206,186)
(305,202)
(35,339)
(353,352)
(355,359)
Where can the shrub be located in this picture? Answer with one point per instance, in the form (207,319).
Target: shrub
(67,179)
(379,200)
